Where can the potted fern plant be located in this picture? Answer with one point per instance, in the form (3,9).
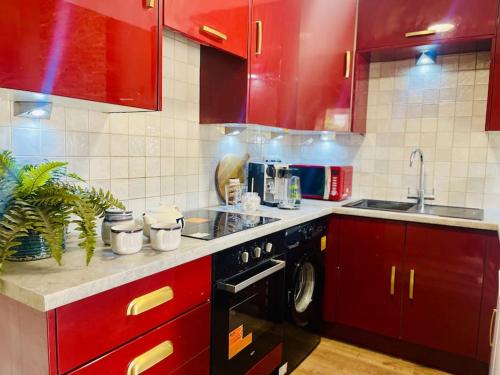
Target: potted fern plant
(38,202)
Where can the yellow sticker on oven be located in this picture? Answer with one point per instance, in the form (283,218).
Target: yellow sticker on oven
(237,342)
(323,243)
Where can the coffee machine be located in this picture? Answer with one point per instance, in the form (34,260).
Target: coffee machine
(269,179)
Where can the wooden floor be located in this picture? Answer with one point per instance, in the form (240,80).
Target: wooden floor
(336,358)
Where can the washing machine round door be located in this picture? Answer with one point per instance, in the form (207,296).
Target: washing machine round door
(305,291)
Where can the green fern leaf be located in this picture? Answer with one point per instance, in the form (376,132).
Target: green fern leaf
(35,177)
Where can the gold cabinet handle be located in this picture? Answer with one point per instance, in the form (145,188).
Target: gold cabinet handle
(213,32)
(347,72)
(151,358)
(150,3)
(150,301)
(260,31)
(425,32)
(492,325)
(393,279)
(412,283)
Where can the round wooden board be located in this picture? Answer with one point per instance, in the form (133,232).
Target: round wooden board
(230,166)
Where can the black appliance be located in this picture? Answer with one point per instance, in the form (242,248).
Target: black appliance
(248,300)
(304,290)
(211,224)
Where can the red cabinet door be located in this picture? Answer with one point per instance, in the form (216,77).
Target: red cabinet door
(369,274)
(88,328)
(274,42)
(172,345)
(442,296)
(219,23)
(490,296)
(103,51)
(385,23)
(331,263)
(325,65)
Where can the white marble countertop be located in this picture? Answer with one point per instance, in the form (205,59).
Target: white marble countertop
(45,286)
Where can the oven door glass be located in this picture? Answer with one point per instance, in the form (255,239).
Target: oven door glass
(312,181)
(247,323)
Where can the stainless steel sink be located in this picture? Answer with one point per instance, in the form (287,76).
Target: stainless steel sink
(408,207)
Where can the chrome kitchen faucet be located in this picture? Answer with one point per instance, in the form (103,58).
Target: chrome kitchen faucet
(420,197)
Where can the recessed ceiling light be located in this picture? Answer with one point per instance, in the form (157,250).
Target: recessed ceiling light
(441,27)
(37,110)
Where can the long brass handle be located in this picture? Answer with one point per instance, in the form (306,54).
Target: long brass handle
(149,301)
(492,324)
(151,358)
(393,279)
(347,72)
(425,32)
(412,283)
(213,32)
(260,31)
(150,3)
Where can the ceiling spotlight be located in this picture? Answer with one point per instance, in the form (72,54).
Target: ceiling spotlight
(426,58)
(37,110)
(276,135)
(441,27)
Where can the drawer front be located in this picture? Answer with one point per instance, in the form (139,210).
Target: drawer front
(165,350)
(200,365)
(88,328)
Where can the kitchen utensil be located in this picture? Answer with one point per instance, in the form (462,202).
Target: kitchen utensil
(233,192)
(165,236)
(230,166)
(126,239)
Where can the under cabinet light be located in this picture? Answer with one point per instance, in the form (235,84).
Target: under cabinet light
(36,110)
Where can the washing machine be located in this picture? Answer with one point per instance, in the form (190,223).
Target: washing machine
(304,289)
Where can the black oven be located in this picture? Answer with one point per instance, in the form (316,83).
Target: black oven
(247,306)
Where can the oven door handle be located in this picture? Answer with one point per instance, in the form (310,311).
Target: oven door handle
(277,266)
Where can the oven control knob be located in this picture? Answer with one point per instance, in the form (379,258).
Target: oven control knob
(268,248)
(244,257)
(257,252)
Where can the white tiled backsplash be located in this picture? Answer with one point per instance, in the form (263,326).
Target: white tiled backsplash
(439,108)
(146,158)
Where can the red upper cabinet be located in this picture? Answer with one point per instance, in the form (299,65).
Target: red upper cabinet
(103,51)
(392,23)
(221,23)
(443,279)
(327,35)
(369,274)
(273,62)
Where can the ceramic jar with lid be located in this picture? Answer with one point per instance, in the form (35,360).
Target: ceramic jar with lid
(112,217)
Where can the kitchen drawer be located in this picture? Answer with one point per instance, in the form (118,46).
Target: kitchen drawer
(161,351)
(200,365)
(88,328)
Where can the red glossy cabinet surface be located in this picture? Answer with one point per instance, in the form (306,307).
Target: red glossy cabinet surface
(188,336)
(219,23)
(490,297)
(384,23)
(447,285)
(88,328)
(368,249)
(326,65)
(103,51)
(274,44)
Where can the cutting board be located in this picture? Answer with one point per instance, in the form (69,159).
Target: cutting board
(230,166)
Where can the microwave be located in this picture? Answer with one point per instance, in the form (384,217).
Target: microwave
(332,183)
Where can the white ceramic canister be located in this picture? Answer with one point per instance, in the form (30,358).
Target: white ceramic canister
(126,239)
(165,236)
(112,217)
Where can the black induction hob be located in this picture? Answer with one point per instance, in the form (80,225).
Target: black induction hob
(209,224)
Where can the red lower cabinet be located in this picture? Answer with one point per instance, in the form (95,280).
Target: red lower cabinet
(98,324)
(490,297)
(200,365)
(443,280)
(369,274)
(160,351)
